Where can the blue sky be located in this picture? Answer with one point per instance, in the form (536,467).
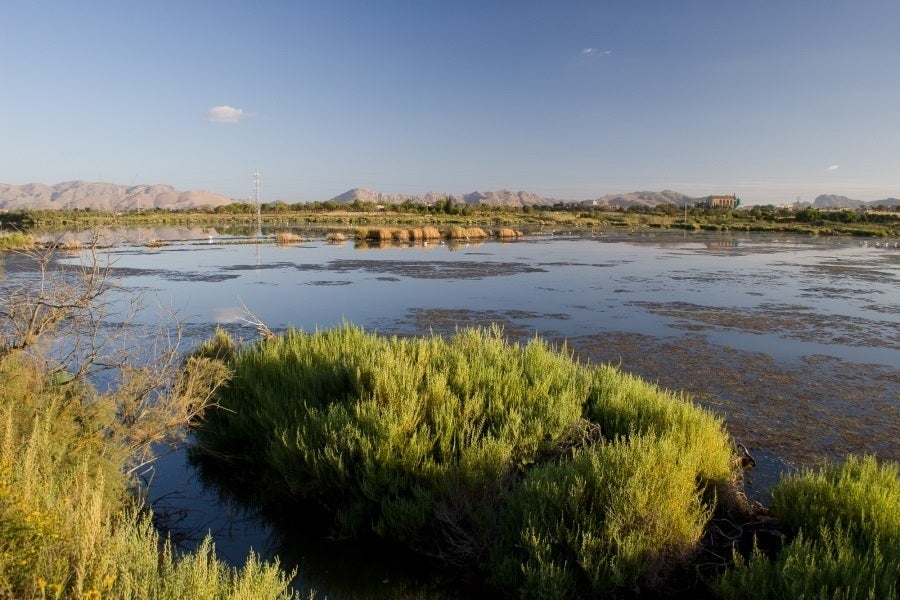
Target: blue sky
(772,100)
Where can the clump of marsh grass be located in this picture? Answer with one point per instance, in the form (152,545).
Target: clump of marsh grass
(71,245)
(844,521)
(380,234)
(400,235)
(507,234)
(335,237)
(383,429)
(431,233)
(466,233)
(287,237)
(625,405)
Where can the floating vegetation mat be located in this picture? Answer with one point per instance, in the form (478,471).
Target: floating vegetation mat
(822,408)
(798,322)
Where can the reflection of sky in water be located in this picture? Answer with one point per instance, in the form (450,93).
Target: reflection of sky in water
(598,285)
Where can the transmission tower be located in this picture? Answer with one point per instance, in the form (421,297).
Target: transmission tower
(256,200)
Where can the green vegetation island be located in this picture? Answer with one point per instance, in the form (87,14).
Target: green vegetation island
(516,470)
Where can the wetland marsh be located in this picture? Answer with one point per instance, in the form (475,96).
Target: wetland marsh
(794,341)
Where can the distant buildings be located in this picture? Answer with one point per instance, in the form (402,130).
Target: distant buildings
(721,201)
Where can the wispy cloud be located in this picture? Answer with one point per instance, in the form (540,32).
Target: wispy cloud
(595,52)
(832,167)
(225,114)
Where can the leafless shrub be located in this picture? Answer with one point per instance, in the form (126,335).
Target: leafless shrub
(72,316)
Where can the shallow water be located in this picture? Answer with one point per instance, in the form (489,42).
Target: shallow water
(795,341)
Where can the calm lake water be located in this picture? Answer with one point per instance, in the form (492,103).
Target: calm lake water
(795,341)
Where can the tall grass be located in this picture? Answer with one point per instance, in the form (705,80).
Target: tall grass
(69,527)
(513,460)
(846,519)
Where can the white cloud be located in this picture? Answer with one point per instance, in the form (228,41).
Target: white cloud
(587,51)
(607,52)
(832,168)
(224,114)
(594,52)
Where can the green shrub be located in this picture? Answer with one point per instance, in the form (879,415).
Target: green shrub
(624,405)
(619,515)
(571,479)
(846,519)
(387,431)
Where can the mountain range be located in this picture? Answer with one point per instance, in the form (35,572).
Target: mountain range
(104,196)
(109,196)
(827,201)
(517,199)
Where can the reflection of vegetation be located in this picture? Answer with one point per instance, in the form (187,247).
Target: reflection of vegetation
(443,445)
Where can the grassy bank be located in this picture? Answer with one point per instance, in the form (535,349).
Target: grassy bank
(515,463)
(324,217)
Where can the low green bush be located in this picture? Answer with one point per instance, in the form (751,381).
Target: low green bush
(624,405)
(617,516)
(387,431)
(844,523)
(513,460)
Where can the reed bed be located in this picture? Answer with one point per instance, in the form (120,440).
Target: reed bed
(335,237)
(460,447)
